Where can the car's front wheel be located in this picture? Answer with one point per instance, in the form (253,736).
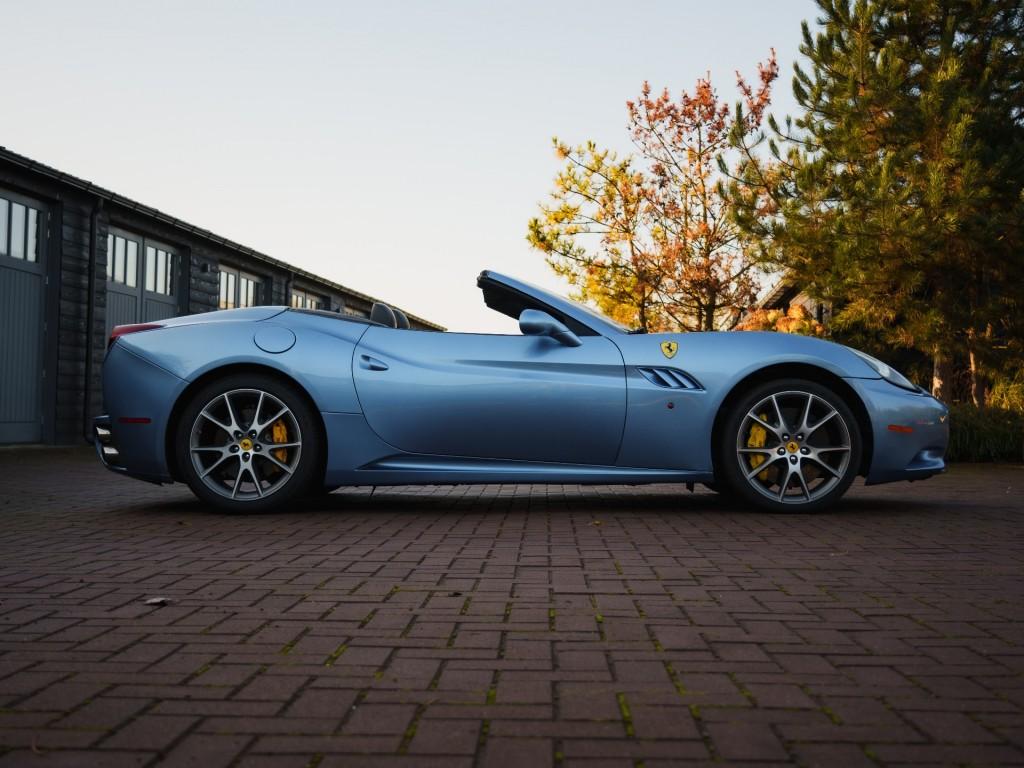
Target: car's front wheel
(790,445)
(248,442)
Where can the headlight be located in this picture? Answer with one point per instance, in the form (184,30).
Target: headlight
(889,374)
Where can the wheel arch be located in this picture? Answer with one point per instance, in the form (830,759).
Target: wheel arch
(227,370)
(807,371)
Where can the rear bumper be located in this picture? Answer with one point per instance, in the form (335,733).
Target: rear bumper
(103,440)
(138,397)
(110,456)
(910,432)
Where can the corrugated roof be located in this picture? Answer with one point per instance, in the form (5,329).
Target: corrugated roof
(87,186)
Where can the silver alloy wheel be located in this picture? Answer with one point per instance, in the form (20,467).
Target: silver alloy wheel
(793,447)
(245,444)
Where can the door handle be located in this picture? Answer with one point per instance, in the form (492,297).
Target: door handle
(372,363)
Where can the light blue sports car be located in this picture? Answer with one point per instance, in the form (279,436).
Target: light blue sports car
(257,408)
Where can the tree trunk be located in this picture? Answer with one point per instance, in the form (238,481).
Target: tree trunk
(942,375)
(709,313)
(979,386)
(709,320)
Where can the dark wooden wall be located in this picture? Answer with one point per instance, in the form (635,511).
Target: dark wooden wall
(77,218)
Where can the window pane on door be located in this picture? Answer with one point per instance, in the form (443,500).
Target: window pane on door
(132,264)
(33,234)
(227,290)
(161,271)
(302,299)
(110,257)
(237,289)
(17,231)
(150,268)
(118,259)
(4,218)
(170,273)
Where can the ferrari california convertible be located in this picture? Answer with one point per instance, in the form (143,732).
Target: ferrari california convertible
(260,408)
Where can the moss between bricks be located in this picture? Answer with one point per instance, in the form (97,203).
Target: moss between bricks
(334,656)
(627,717)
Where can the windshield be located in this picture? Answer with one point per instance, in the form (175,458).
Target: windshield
(510,297)
(595,313)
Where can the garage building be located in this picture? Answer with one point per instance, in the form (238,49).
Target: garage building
(77,259)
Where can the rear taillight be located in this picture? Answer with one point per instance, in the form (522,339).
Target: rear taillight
(124,330)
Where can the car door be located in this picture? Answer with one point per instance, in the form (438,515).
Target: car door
(500,397)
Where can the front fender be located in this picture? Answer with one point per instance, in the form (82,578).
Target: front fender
(672,428)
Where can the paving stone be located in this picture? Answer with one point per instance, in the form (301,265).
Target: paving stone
(445,737)
(501,625)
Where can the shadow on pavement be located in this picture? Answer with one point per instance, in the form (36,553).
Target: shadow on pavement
(620,500)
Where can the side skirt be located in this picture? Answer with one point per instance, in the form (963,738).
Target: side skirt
(409,469)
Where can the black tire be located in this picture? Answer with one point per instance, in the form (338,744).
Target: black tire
(803,473)
(305,464)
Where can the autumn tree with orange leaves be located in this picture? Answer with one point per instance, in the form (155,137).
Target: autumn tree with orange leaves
(796,319)
(648,237)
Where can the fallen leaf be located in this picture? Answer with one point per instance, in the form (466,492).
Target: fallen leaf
(158,601)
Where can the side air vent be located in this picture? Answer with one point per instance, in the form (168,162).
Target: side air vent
(670,378)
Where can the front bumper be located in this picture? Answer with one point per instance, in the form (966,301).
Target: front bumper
(910,432)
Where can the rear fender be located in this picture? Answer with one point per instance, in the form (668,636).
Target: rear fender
(320,363)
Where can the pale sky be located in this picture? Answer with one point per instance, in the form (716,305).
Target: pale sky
(397,148)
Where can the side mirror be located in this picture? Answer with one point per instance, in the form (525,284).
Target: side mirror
(533,322)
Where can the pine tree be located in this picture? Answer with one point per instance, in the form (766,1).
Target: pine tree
(897,193)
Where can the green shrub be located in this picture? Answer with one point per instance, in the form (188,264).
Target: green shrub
(992,434)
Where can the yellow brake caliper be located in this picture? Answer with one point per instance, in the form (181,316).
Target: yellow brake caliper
(279,434)
(756,439)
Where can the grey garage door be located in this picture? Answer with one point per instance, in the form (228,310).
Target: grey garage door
(22,298)
(142,279)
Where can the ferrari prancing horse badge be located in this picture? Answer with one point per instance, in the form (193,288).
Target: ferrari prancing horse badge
(668,348)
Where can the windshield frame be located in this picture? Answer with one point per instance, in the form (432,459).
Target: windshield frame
(556,304)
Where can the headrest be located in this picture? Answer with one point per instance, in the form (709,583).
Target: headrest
(402,320)
(381,313)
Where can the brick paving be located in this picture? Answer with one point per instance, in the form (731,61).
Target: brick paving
(508,626)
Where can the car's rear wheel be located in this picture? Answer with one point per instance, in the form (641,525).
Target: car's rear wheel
(790,445)
(248,443)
